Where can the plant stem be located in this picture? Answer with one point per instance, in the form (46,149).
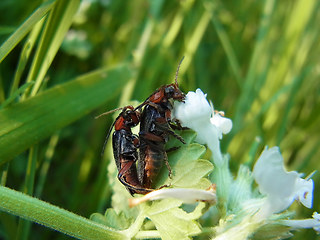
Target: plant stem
(46,164)
(53,217)
(24,226)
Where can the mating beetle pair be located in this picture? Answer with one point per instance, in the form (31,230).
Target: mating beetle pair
(154,116)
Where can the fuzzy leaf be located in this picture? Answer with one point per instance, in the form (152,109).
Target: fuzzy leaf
(112,219)
(188,135)
(187,168)
(171,221)
(240,189)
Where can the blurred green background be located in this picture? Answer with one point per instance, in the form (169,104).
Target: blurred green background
(258,61)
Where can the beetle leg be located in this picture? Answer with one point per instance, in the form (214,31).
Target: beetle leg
(135,141)
(168,165)
(168,115)
(156,106)
(124,168)
(167,129)
(177,126)
(132,188)
(151,136)
(172,149)
(166,185)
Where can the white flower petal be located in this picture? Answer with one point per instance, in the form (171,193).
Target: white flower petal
(271,176)
(195,109)
(305,223)
(316,216)
(304,191)
(195,113)
(183,194)
(224,124)
(280,186)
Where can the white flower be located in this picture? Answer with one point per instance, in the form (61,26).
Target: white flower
(195,113)
(184,194)
(280,187)
(305,223)
(223,124)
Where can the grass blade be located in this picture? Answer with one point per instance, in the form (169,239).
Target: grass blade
(22,31)
(26,123)
(58,24)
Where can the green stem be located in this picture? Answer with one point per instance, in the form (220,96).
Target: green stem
(53,217)
(24,226)
(151,234)
(136,226)
(4,173)
(221,176)
(25,54)
(46,163)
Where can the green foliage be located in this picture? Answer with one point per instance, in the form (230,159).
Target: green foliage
(112,219)
(61,60)
(171,221)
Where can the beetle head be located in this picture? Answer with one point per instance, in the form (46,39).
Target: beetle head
(131,117)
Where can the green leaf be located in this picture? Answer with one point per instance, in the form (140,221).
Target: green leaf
(187,169)
(28,122)
(112,219)
(171,221)
(16,94)
(188,135)
(53,217)
(21,32)
(240,189)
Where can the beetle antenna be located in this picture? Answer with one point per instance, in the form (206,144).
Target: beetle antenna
(106,140)
(177,72)
(106,113)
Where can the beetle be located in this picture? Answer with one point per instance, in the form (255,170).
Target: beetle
(125,145)
(155,128)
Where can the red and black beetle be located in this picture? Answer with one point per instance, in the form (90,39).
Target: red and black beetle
(155,127)
(125,145)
